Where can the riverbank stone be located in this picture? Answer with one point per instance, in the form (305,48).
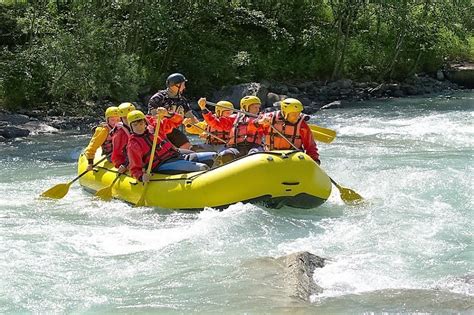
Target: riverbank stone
(10,132)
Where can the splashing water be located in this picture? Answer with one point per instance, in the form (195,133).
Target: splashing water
(407,249)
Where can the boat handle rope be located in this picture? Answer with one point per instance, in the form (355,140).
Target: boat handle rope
(282,154)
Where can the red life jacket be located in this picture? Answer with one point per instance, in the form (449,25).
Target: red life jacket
(240,134)
(107,147)
(274,141)
(127,131)
(223,134)
(163,152)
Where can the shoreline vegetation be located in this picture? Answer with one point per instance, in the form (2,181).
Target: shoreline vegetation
(62,64)
(341,93)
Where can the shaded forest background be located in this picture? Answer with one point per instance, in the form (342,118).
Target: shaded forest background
(72,51)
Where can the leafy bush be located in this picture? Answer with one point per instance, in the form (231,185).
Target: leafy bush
(74,51)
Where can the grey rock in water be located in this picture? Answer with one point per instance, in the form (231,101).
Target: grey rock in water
(299,269)
(288,280)
(37,127)
(335,104)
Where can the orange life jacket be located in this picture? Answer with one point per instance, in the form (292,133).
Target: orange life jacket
(274,141)
(240,134)
(223,134)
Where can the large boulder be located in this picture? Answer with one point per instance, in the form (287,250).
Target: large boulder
(10,132)
(235,92)
(37,127)
(14,119)
(462,74)
(272,98)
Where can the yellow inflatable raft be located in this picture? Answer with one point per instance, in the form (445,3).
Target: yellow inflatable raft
(275,178)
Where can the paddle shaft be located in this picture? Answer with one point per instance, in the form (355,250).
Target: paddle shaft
(84,173)
(343,191)
(116,179)
(141,201)
(207,132)
(153,146)
(233,109)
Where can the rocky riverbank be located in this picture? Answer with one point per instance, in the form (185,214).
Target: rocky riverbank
(315,95)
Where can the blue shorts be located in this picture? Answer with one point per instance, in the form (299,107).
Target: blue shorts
(187,163)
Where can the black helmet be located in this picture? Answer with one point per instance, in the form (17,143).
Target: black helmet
(175,78)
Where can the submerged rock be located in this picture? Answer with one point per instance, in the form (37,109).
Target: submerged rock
(299,269)
(288,279)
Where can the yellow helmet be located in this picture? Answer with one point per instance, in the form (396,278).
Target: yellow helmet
(135,115)
(111,111)
(246,101)
(125,108)
(222,106)
(290,105)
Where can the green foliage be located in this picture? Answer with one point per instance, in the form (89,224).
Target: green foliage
(75,51)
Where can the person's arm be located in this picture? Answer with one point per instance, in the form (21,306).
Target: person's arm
(188,111)
(169,123)
(134,153)
(119,141)
(260,125)
(99,137)
(309,144)
(219,123)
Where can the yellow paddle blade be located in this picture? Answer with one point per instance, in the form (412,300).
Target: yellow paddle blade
(322,134)
(57,192)
(141,201)
(194,129)
(321,137)
(349,196)
(105,193)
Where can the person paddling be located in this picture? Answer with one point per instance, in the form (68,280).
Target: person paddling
(167,159)
(120,138)
(173,100)
(291,123)
(102,137)
(243,140)
(216,136)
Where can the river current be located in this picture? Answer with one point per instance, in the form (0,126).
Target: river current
(408,249)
